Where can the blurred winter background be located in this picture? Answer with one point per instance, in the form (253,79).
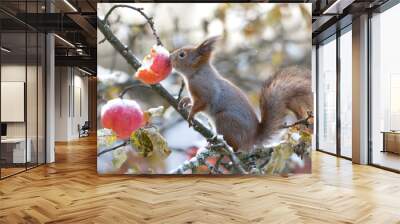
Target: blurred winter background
(258,39)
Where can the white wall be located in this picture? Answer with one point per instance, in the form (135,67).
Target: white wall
(16,73)
(61,103)
(12,73)
(80,110)
(71,94)
(33,126)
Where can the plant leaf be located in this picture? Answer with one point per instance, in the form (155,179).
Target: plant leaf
(149,142)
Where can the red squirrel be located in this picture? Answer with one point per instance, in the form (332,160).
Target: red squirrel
(234,117)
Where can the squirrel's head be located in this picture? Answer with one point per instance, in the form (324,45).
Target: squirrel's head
(188,60)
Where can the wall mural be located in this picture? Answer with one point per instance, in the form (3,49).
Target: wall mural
(216,88)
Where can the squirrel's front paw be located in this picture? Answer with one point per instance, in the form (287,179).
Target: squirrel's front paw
(184,103)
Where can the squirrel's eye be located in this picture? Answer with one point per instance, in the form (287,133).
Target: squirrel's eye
(181,54)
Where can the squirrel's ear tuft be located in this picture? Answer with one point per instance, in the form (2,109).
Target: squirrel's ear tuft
(208,45)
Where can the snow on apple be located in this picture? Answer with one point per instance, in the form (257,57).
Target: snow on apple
(155,67)
(123,116)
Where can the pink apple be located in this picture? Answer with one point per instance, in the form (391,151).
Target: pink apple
(122,116)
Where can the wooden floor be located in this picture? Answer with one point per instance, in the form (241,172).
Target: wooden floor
(70,191)
(10,171)
(386,159)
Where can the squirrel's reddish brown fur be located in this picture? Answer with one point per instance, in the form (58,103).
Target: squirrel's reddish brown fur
(235,118)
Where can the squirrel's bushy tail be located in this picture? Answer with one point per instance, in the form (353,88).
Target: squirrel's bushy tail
(287,90)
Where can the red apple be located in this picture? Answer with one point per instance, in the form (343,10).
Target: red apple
(156,66)
(122,116)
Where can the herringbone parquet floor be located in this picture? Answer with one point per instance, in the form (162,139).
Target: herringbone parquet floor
(70,191)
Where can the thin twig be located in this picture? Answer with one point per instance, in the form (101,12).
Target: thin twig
(218,142)
(210,167)
(140,10)
(266,161)
(304,121)
(102,41)
(108,23)
(263,164)
(252,166)
(218,163)
(121,95)
(113,148)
